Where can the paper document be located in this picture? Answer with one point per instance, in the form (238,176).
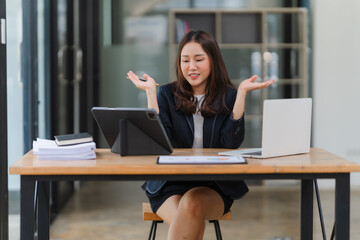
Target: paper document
(87,156)
(200,159)
(48,150)
(44,146)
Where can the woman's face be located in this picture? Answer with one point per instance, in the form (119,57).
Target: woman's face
(195,66)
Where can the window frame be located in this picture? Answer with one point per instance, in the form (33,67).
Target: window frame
(4,203)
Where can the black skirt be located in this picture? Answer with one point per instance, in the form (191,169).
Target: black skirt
(179,188)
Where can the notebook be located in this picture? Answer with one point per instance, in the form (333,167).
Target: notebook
(76,138)
(286,129)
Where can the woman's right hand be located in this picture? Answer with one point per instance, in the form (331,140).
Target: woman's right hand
(148,85)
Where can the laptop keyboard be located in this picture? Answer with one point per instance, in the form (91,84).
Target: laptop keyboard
(254,153)
(251,151)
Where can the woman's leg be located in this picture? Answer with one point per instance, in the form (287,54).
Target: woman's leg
(186,214)
(168,209)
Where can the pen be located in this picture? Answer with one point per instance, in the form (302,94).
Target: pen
(144,80)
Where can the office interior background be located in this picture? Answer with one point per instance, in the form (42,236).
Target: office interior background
(66,56)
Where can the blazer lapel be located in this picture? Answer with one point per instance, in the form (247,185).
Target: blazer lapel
(190,122)
(208,131)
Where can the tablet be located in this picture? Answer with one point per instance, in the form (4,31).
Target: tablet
(132,131)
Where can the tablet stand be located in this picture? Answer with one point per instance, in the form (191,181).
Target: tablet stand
(132,141)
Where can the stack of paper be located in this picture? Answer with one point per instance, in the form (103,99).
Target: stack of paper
(48,150)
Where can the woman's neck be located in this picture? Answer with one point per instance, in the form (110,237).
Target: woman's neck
(198,91)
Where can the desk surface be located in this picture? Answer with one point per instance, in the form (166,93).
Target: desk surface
(107,163)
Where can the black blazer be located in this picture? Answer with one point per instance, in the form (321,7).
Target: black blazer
(219,131)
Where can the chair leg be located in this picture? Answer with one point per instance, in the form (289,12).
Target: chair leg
(333,233)
(151,229)
(154,233)
(320,209)
(217,229)
(215,222)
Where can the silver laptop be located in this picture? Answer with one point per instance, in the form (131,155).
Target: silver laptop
(286,129)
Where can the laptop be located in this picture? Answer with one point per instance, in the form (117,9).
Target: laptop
(286,129)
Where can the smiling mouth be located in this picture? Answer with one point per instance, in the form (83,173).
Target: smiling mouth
(193,75)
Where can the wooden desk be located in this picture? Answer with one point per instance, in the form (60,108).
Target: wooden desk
(109,166)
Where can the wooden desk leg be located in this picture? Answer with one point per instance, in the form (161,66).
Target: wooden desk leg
(307,204)
(43,211)
(342,206)
(27,216)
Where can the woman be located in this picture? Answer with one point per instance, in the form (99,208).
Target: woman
(202,109)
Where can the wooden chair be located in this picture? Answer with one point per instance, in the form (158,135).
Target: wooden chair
(149,215)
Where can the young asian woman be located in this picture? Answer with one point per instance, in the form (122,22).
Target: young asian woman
(201,109)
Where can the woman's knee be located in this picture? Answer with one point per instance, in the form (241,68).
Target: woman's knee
(192,203)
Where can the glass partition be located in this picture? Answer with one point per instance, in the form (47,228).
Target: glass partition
(15,108)
(142,36)
(255,37)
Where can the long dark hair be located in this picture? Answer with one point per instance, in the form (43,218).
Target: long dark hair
(216,84)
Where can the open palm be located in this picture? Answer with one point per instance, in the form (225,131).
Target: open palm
(143,85)
(250,84)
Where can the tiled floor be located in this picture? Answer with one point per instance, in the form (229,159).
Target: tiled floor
(112,210)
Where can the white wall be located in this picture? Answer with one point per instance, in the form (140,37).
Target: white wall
(336,78)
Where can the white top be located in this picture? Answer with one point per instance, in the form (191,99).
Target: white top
(198,123)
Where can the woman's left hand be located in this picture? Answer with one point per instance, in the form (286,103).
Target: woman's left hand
(249,84)
(245,87)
